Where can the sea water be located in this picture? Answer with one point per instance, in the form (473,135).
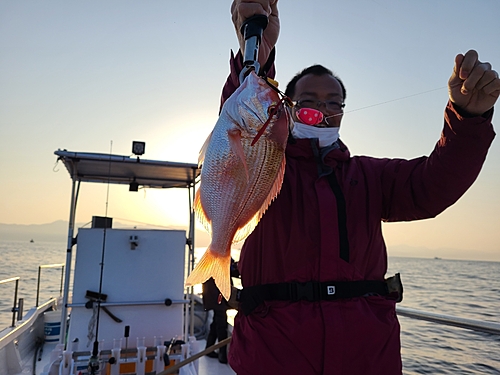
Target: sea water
(22,259)
(468,289)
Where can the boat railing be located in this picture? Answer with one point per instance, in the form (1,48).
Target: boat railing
(61,265)
(450,320)
(15,307)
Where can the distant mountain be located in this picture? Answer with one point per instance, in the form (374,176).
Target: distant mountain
(57,231)
(441,253)
(54,232)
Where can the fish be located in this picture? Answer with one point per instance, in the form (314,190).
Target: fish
(242,170)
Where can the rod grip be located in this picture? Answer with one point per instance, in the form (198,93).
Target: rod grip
(252,30)
(254,26)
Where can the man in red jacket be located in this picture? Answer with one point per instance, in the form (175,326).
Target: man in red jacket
(314,300)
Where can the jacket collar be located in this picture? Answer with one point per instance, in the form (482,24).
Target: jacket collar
(308,149)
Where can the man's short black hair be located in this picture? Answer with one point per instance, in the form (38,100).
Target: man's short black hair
(317,70)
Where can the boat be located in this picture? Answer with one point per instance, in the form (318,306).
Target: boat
(127,310)
(124,308)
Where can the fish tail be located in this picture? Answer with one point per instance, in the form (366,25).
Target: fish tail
(213,265)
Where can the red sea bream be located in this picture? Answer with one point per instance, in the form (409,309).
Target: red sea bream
(241,174)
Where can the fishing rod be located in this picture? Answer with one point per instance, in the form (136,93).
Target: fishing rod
(93,366)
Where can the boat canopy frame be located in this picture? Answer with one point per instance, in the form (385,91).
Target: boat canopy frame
(125,170)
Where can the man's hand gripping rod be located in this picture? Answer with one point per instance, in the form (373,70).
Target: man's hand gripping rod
(252,30)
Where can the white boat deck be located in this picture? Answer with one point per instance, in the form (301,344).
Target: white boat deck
(212,366)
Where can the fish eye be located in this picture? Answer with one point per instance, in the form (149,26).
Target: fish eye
(274,111)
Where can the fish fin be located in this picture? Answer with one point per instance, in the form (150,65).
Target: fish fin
(236,146)
(203,150)
(213,265)
(201,214)
(275,189)
(245,231)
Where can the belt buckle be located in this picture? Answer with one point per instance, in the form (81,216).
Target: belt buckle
(300,291)
(395,287)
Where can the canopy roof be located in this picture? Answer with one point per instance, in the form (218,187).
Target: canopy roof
(117,169)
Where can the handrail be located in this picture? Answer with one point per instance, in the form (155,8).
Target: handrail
(167,302)
(26,323)
(14,309)
(475,325)
(39,274)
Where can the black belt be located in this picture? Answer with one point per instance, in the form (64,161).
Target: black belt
(253,296)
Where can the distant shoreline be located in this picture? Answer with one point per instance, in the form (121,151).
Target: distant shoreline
(57,232)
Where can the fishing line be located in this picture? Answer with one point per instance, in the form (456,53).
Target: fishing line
(387,101)
(144,223)
(287,101)
(94,362)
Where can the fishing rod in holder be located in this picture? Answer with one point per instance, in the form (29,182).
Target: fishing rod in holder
(94,365)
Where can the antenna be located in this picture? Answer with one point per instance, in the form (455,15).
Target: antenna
(93,365)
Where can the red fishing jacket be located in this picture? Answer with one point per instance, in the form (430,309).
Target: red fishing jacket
(297,240)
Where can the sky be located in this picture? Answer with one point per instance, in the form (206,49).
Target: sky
(93,76)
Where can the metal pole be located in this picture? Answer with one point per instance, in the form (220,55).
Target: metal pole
(62,278)
(42,266)
(191,235)
(14,305)
(71,226)
(14,309)
(38,285)
(192,215)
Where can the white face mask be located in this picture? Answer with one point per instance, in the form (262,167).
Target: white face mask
(326,136)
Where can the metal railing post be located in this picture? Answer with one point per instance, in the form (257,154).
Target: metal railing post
(39,277)
(62,279)
(14,308)
(38,285)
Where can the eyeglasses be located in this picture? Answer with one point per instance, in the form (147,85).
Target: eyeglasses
(330,105)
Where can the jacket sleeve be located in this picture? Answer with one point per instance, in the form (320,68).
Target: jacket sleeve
(424,187)
(236,66)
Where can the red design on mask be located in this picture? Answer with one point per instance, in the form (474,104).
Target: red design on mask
(309,116)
